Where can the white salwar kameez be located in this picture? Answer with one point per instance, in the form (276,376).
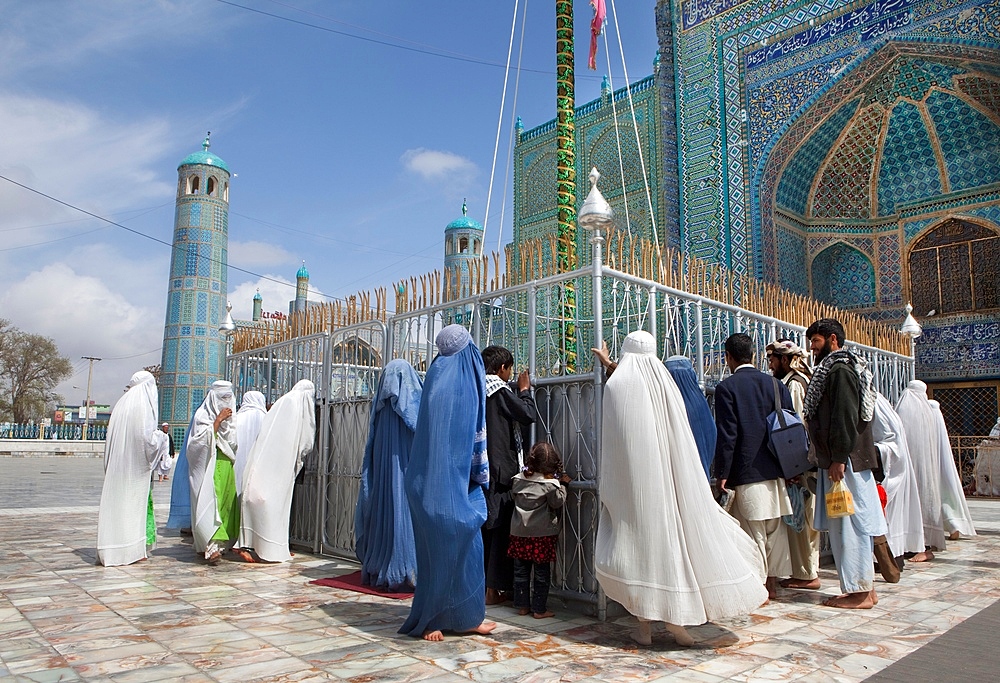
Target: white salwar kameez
(249,418)
(902,508)
(285,438)
(923,442)
(665,550)
(131,450)
(955,514)
(851,537)
(202,446)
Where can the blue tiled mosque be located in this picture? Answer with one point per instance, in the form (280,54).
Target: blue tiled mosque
(845,150)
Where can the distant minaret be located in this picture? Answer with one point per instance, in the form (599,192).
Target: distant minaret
(463,243)
(193,351)
(301,291)
(258,305)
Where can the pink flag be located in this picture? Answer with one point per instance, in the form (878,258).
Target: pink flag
(596,26)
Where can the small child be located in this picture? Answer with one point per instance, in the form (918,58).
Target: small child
(534,530)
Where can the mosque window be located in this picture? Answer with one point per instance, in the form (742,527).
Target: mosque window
(955,268)
(449,247)
(463,245)
(211,186)
(225,191)
(194,184)
(475,246)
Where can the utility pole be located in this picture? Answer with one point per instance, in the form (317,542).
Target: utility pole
(86,408)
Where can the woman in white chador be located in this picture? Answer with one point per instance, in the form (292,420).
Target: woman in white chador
(665,550)
(133,446)
(923,442)
(955,514)
(902,508)
(285,438)
(211,453)
(249,418)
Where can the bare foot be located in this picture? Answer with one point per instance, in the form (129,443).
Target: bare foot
(435,636)
(852,601)
(925,556)
(215,558)
(544,615)
(523,611)
(953,536)
(245,555)
(484,628)
(772,587)
(874,597)
(680,634)
(810,585)
(644,634)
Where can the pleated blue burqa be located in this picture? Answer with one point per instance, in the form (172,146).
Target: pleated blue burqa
(445,484)
(383,529)
(698,413)
(180,489)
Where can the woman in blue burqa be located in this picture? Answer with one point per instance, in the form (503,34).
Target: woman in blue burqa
(383,530)
(696,406)
(445,484)
(180,493)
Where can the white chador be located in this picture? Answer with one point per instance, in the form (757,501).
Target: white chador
(954,509)
(285,438)
(131,450)
(203,446)
(249,418)
(665,550)
(902,508)
(922,439)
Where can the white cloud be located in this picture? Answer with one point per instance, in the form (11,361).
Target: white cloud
(258,255)
(70,151)
(86,318)
(275,295)
(432,164)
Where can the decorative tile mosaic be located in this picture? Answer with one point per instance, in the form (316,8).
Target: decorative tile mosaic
(843,276)
(845,188)
(970,142)
(908,169)
(792,255)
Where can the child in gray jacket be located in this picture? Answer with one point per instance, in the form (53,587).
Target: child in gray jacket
(539,492)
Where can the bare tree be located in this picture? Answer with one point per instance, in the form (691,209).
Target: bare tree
(30,368)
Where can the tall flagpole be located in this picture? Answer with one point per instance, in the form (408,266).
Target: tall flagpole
(566,176)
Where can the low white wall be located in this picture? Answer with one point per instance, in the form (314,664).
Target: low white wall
(29,448)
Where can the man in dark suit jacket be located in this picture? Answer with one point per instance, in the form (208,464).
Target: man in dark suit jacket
(744,461)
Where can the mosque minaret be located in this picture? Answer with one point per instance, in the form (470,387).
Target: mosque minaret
(193,350)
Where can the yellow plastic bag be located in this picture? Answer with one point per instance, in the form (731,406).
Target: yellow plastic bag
(839,501)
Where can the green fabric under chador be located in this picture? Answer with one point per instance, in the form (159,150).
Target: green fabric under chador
(150,521)
(227,500)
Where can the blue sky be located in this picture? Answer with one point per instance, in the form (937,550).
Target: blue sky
(349,154)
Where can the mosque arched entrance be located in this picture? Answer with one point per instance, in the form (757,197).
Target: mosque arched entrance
(886,189)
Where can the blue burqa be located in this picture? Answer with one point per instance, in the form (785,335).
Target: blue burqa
(383,530)
(698,413)
(180,489)
(445,482)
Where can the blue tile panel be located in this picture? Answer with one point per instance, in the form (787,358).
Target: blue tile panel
(909,168)
(843,276)
(970,142)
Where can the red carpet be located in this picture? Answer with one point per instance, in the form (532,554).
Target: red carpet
(352,582)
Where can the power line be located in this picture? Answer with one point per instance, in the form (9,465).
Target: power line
(431,51)
(155,239)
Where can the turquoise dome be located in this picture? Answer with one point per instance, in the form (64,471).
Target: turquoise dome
(464,221)
(257,296)
(303,273)
(204,157)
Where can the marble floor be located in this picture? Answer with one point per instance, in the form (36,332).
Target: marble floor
(173,618)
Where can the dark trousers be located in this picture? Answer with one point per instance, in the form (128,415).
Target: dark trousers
(522,584)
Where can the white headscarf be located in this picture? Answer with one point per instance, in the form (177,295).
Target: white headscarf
(131,450)
(203,443)
(902,508)
(665,550)
(923,441)
(249,418)
(285,438)
(954,509)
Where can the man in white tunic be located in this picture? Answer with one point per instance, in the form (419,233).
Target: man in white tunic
(902,507)
(285,439)
(248,418)
(954,509)
(211,453)
(923,442)
(131,450)
(665,550)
